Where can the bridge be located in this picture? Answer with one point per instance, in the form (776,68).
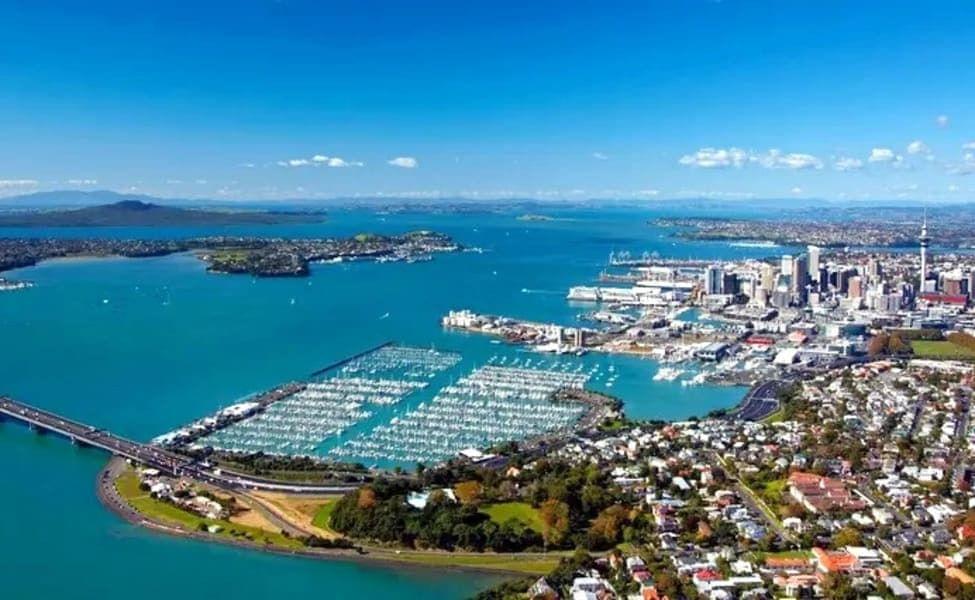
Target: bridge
(148,455)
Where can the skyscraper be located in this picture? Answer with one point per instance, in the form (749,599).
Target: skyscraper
(800,272)
(814,253)
(785,266)
(714,280)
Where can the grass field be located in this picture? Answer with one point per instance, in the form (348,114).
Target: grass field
(521,511)
(941,350)
(760,557)
(157,510)
(323,515)
(163,512)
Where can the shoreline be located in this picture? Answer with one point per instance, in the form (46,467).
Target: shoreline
(109,498)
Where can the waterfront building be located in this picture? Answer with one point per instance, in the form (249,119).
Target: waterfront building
(730,284)
(714,280)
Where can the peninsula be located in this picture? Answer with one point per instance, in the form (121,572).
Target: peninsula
(261,257)
(884,228)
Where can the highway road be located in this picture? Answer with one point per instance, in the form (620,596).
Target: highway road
(760,401)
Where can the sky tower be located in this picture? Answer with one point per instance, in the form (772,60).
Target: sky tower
(925,241)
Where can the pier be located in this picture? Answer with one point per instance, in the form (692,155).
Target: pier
(345,361)
(151,456)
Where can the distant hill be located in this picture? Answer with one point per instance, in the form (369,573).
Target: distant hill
(136,213)
(75,199)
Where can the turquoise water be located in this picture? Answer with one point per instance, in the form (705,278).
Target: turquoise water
(173,343)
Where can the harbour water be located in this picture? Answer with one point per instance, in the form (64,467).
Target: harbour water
(143,346)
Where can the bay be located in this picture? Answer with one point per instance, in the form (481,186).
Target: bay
(141,346)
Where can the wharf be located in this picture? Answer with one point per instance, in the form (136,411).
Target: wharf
(349,359)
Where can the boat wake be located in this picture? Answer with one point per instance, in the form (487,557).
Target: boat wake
(759,244)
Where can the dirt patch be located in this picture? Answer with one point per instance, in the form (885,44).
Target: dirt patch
(298,510)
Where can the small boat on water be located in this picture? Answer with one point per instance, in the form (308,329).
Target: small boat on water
(667,374)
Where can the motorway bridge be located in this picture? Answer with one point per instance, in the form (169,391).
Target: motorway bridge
(148,455)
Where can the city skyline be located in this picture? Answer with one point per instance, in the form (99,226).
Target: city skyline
(273,100)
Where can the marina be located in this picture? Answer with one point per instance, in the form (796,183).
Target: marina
(493,404)
(356,410)
(325,407)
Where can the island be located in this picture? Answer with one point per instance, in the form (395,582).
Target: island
(138,213)
(260,257)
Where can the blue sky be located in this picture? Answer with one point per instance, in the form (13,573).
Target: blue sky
(651,99)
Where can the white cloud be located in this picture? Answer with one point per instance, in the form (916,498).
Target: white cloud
(965,167)
(294,162)
(918,147)
(715,194)
(82,182)
(796,190)
(6,184)
(881,155)
(600,156)
(776,159)
(320,160)
(968,146)
(405,162)
(721,158)
(887,156)
(848,163)
(247,165)
(338,163)
(715,158)
(941,121)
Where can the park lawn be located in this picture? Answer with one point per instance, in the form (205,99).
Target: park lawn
(943,350)
(759,557)
(775,417)
(323,516)
(522,511)
(157,510)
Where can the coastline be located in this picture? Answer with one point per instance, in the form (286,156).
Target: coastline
(109,498)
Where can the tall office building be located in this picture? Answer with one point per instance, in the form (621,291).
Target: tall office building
(800,273)
(714,280)
(814,256)
(730,284)
(768,278)
(785,266)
